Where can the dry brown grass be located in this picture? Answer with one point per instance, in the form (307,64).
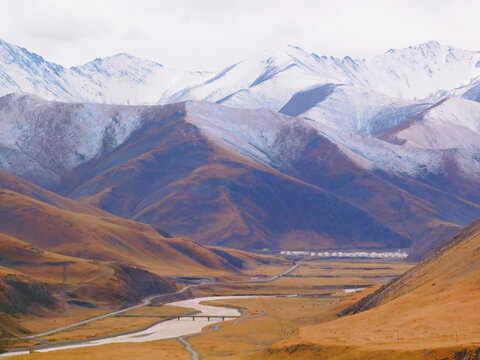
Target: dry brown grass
(315,277)
(104,238)
(309,351)
(255,332)
(164,350)
(144,317)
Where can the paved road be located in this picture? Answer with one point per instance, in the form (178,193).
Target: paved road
(194,354)
(145,302)
(149,300)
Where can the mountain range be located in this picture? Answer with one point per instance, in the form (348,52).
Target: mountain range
(268,80)
(282,150)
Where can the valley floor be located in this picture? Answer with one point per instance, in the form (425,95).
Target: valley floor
(316,293)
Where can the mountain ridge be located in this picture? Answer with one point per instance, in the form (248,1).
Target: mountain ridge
(85,83)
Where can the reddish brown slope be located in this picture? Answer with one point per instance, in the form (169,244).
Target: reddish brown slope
(67,251)
(51,222)
(102,238)
(21,186)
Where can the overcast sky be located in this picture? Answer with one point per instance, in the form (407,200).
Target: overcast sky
(211,34)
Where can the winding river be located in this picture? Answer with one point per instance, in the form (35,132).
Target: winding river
(164,330)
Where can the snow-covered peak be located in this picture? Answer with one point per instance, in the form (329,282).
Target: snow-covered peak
(418,71)
(24,71)
(426,46)
(271,78)
(267,80)
(13,54)
(120,65)
(450,124)
(289,55)
(412,73)
(126,79)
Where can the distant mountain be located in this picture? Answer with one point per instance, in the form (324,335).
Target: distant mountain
(365,97)
(240,178)
(393,139)
(267,80)
(413,73)
(119,79)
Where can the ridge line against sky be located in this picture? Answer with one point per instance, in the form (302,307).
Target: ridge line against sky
(212,34)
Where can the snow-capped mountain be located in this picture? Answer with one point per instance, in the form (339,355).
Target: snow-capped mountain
(414,73)
(125,79)
(42,139)
(403,128)
(119,79)
(23,71)
(367,106)
(363,97)
(452,123)
(267,80)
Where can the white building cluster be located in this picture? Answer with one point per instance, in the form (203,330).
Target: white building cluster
(348,254)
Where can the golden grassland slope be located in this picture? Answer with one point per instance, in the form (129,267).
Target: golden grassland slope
(40,284)
(52,222)
(165,350)
(430,312)
(106,238)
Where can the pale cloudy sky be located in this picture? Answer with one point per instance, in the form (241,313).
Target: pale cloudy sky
(212,34)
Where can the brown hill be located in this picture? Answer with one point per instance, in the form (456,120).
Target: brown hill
(37,283)
(431,312)
(99,238)
(80,230)
(24,187)
(58,251)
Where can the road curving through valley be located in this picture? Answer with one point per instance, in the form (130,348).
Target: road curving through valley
(173,328)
